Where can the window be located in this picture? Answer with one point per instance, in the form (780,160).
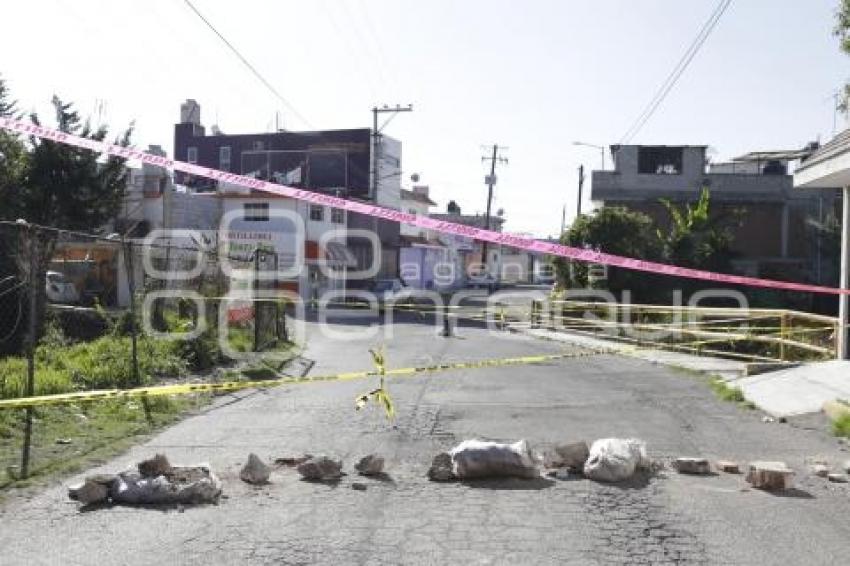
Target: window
(192,154)
(337,216)
(255,211)
(224,158)
(317,212)
(660,160)
(258,145)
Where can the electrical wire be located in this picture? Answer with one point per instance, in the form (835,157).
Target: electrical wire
(677,71)
(250,67)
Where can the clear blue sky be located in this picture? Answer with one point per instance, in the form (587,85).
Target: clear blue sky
(532,75)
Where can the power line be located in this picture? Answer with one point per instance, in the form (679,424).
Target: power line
(677,71)
(251,68)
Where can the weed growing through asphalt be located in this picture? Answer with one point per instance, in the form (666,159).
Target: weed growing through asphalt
(841,426)
(725,392)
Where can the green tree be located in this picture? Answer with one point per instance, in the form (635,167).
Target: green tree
(57,185)
(614,230)
(697,237)
(842,31)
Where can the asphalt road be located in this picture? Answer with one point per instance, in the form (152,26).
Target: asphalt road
(669,519)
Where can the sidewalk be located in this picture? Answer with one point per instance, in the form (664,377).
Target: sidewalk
(798,390)
(727,369)
(781,393)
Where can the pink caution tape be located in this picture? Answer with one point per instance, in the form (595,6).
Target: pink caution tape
(578,254)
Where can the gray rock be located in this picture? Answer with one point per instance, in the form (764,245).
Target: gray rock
(370,465)
(820,470)
(441,468)
(699,466)
(571,456)
(153,467)
(846,466)
(89,492)
(255,471)
(320,468)
(358,486)
(767,419)
(837,478)
(769,475)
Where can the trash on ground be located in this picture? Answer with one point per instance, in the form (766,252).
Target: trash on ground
(63,441)
(89,492)
(769,475)
(696,466)
(255,471)
(482,459)
(320,468)
(616,459)
(441,468)
(370,465)
(571,456)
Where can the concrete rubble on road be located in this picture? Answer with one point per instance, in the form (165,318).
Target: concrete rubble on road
(837,478)
(154,481)
(255,471)
(441,468)
(571,456)
(616,459)
(820,470)
(370,465)
(320,468)
(728,467)
(696,466)
(770,476)
(473,459)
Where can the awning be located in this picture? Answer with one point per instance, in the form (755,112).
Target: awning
(338,253)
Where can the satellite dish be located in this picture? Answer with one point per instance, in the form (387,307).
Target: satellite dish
(415,177)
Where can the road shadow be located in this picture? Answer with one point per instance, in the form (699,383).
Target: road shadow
(793,492)
(510,484)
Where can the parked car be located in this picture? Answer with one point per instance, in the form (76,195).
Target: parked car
(60,289)
(482,281)
(390,291)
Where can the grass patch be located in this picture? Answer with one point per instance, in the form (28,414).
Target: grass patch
(725,392)
(70,438)
(841,426)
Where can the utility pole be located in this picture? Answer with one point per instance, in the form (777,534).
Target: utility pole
(580,185)
(376,139)
(491,181)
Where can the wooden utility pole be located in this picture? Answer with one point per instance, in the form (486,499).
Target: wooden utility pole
(491,181)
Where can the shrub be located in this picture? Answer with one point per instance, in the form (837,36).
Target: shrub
(841,426)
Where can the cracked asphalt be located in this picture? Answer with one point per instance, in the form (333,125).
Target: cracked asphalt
(405,519)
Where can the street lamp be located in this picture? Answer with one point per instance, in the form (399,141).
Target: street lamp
(601,149)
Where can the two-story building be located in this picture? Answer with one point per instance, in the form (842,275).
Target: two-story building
(778,235)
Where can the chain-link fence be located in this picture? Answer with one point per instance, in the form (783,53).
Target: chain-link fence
(114,312)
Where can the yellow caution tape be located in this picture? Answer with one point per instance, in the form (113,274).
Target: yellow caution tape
(226,386)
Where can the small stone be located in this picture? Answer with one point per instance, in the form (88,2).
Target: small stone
(699,466)
(782,420)
(358,486)
(255,471)
(156,466)
(370,465)
(728,467)
(837,478)
(320,468)
(769,475)
(846,466)
(89,493)
(441,468)
(63,441)
(561,474)
(820,470)
(767,419)
(571,456)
